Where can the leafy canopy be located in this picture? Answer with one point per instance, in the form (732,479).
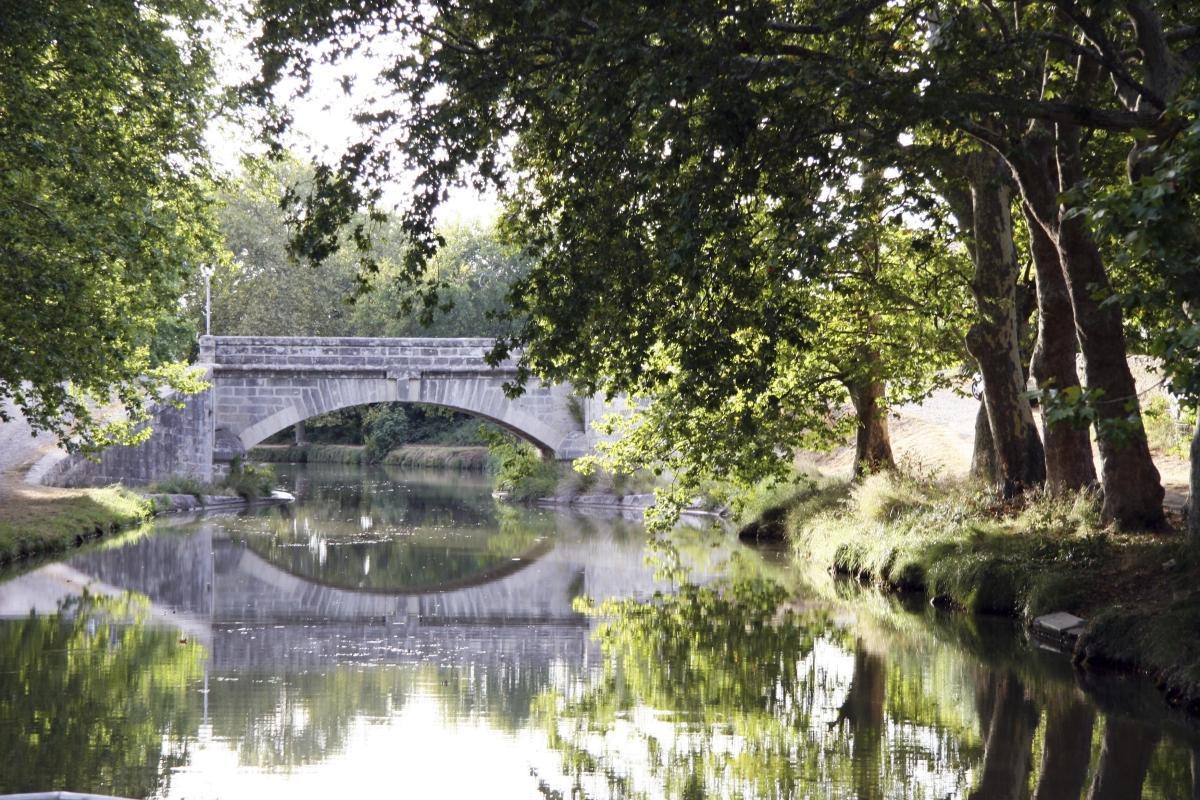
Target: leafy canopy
(103,206)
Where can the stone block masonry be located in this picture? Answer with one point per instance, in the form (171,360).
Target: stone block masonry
(260,385)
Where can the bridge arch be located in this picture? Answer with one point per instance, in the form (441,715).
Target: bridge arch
(337,393)
(262,385)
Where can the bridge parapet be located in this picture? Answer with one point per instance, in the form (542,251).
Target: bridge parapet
(347,354)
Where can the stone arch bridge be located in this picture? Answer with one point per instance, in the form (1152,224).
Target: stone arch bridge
(261,385)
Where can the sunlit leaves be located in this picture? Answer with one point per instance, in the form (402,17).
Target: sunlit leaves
(103,212)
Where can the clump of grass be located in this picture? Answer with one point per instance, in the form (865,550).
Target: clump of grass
(956,542)
(886,496)
(772,507)
(179,484)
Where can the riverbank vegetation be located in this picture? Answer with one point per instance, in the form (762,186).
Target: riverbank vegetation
(42,520)
(247,481)
(959,545)
(423,456)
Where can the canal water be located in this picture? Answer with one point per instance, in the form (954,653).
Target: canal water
(401,634)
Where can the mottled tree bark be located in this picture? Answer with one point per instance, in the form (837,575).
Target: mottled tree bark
(1008,747)
(1125,753)
(1133,492)
(1193,506)
(993,340)
(872,442)
(1068,447)
(1067,751)
(983,455)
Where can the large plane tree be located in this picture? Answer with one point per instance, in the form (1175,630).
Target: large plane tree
(679,168)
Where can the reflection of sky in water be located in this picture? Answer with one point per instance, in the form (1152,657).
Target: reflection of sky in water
(247,676)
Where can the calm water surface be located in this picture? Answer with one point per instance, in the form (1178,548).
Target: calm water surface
(400,634)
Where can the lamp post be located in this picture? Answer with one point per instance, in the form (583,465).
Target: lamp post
(207,271)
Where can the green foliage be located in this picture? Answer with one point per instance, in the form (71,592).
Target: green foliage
(385,428)
(737,214)
(471,277)
(519,469)
(178,484)
(261,289)
(104,206)
(250,481)
(1154,226)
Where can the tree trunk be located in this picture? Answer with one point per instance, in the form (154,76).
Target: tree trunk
(993,340)
(872,442)
(301,437)
(863,709)
(1193,506)
(1008,747)
(1068,447)
(1067,750)
(1125,754)
(983,457)
(1133,492)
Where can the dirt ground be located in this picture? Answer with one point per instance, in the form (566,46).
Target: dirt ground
(19,451)
(938,436)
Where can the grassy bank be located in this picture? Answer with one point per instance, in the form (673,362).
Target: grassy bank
(411,455)
(472,457)
(958,545)
(305,453)
(42,520)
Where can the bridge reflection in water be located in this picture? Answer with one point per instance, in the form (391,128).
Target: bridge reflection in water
(377,572)
(387,631)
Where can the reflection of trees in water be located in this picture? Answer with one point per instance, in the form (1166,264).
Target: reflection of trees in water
(296,720)
(503,693)
(282,722)
(800,708)
(93,698)
(348,556)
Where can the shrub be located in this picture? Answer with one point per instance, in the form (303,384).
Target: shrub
(178,484)
(519,469)
(250,480)
(384,429)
